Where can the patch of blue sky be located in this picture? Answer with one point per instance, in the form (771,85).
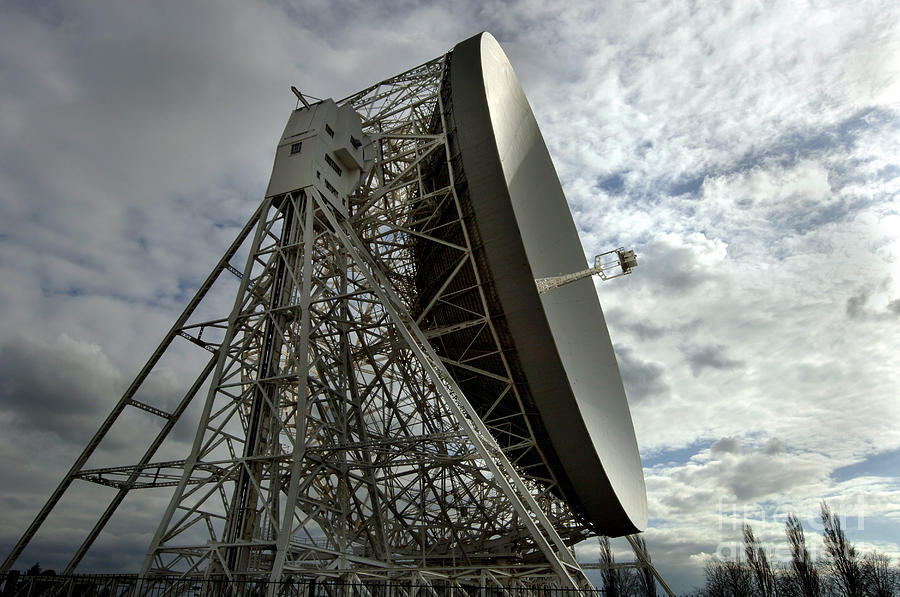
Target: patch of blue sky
(614,184)
(160,301)
(801,218)
(187,288)
(687,186)
(841,136)
(872,529)
(793,147)
(674,457)
(883,464)
(889,172)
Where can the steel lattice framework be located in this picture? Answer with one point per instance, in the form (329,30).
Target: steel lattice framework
(336,438)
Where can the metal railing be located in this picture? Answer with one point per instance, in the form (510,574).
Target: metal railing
(128,585)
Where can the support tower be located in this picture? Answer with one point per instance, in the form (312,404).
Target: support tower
(371,408)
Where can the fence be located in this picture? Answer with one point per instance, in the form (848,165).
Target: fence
(128,585)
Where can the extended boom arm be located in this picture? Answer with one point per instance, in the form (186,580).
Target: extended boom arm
(611,264)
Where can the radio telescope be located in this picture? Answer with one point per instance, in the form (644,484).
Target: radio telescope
(415,381)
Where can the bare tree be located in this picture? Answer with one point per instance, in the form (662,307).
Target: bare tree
(759,564)
(843,559)
(803,570)
(629,581)
(646,580)
(716,585)
(784,579)
(880,579)
(608,561)
(727,579)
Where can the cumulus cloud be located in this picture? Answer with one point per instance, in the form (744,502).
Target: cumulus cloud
(710,357)
(643,379)
(726,445)
(705,501)
(873,301)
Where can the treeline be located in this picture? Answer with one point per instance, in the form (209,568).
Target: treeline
(842,571)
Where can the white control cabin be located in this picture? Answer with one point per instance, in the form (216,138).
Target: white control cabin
(322,147)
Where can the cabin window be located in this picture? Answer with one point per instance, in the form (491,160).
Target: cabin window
(333,165)
(295,148)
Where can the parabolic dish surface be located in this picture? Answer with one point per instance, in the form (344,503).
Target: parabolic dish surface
(559,339)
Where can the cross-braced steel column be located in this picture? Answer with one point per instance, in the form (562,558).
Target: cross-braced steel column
(334,440)
(337,438)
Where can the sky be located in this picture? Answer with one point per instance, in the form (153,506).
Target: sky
(747,151)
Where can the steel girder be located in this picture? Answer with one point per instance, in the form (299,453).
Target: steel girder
(335,440)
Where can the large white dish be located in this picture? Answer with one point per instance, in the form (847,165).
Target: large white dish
(560,338)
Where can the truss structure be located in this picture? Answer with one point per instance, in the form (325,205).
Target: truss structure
(336,438)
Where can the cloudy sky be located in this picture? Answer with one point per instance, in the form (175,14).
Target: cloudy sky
(746,150)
